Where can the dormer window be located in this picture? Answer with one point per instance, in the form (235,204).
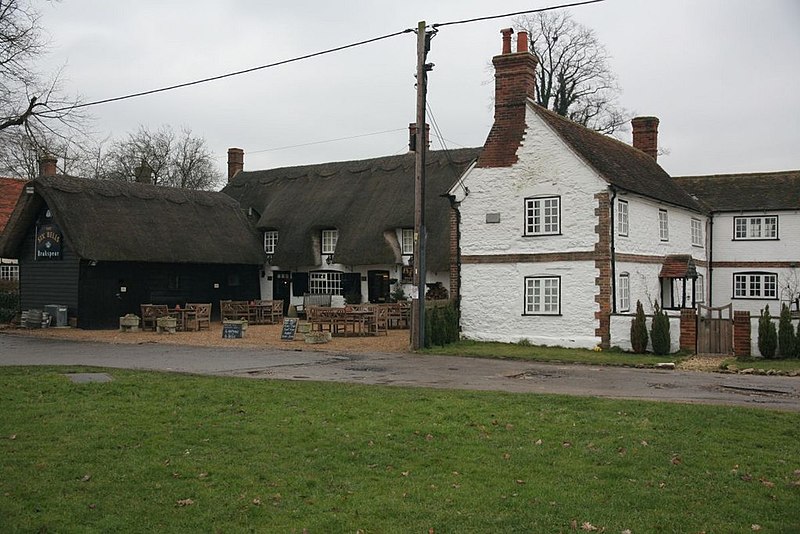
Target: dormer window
(329,238)
(407,241)
(270,241)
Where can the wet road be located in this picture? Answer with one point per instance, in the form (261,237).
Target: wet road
(416,370)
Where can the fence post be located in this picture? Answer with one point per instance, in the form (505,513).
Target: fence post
(688,339)
(741,333)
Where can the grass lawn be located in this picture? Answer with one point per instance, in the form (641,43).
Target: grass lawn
(516,351)
(177,453)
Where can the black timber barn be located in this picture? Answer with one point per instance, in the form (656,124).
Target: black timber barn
(103,248)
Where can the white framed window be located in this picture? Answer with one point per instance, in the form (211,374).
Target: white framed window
(325,282)
(697,232)
(755,285)
(763,227)
(622,217)
(543,216)
(663,225)
(270,241)
(329,239)
(407,241)
(699,289)
(9,272)
(543,295)
(624,291)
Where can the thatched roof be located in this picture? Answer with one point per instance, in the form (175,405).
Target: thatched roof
(745,192)
(118,221)
(620,164)
(362,199)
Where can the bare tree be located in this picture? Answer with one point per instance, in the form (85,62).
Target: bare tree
(35,117)
(176,159)
(574,78)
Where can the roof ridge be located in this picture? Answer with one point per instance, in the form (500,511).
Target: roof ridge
(739,174)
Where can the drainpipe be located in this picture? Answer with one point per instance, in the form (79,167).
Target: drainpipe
(710,239)
(613,254)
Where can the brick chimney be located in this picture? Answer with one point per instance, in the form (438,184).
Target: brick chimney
(235,162)
(645,135)
(47,166)
(514,84)
(144,173)
(412,136)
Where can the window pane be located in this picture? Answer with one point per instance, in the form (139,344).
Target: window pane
(408,241)
(542,216)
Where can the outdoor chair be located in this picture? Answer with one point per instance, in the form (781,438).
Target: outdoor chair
(202,316)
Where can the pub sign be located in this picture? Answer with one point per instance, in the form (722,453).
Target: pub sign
(48,242)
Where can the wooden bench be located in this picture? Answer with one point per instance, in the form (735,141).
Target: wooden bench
(150,313)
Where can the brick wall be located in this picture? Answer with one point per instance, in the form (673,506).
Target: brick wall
(602,263)
(645,135)
(515,83)
(741,333)
(688,340)
(455,267)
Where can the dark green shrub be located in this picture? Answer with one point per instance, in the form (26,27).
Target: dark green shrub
(639,330)
(9,305)
(441,325)
(767,336)
(660,331)
(786,337)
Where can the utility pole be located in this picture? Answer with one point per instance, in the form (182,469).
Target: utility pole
(420,235)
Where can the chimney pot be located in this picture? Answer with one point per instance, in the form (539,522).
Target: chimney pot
(507,39)
(645,135)
(235,162)
(522,41)
(47,166)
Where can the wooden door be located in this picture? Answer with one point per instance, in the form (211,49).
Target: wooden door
(281,288)
(714,329)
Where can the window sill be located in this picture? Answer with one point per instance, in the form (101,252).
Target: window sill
(754,298)
(541,315)
(755,239)
(540,235)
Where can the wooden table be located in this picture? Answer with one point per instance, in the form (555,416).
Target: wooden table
(183,315)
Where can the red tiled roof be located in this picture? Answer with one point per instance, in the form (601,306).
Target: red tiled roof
(677,266)
(10,189)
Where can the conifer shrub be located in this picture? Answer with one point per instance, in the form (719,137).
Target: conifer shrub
(441,325)
(660,331)
(639,330)
(767,335)
(9,304)
(786,335)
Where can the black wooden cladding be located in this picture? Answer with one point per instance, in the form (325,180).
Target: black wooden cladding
(43,282)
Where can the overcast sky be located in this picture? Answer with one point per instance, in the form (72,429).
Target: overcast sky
(723,76)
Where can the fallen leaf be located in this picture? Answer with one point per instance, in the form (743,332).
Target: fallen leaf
(428,437)
(456,486)
(520,482)
(588,527)
(176,475)
(797,473)
(626,531)
(746,477)
(12,436)
(86,478)
(257,501)
(767,483)
(185,502)
(538,442)
(405,473)
(755,527)
(92,506)
(621,451)
(573,525)
(202,475)
(509,426)
(676,460)
(644,444)
(566,444)
(506,456)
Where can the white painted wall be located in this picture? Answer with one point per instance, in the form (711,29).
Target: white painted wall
(545,167)
(754,330)
(621,331)
(785,249)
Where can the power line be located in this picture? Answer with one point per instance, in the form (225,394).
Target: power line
(490,17)
(441,139)
(237,73)
(324,141)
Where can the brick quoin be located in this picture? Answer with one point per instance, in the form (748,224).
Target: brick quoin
(602,263)
(688,339)
(741,333)
(455,250)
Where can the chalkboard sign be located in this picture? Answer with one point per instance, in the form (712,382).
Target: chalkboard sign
(289,329)
(232,329)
